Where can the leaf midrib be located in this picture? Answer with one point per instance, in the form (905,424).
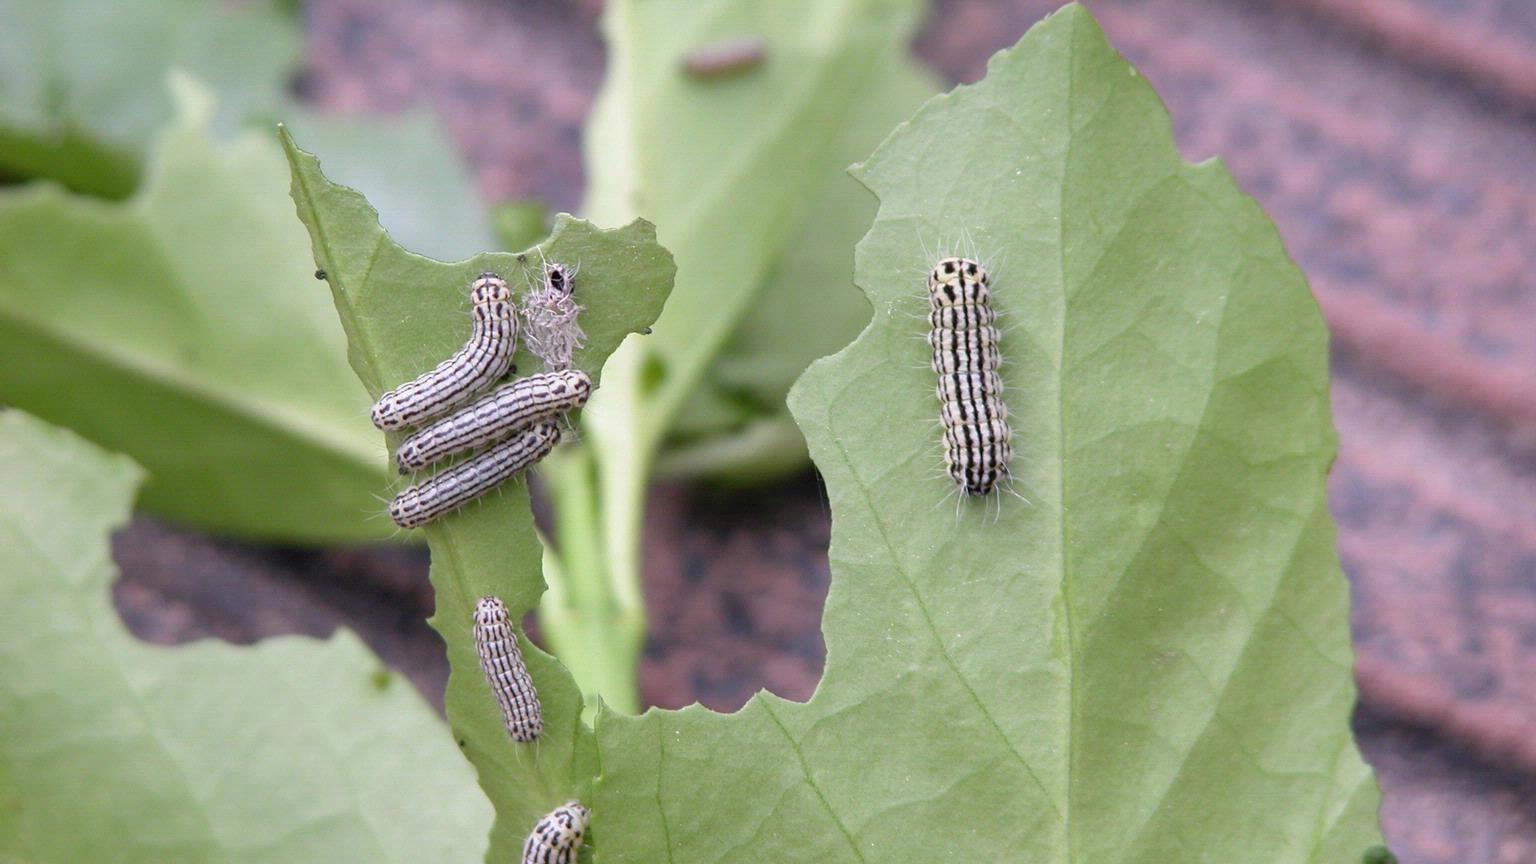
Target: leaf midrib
(1061,460)
(289,421)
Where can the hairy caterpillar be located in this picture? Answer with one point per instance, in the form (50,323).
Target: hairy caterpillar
(507,409)
(483,359)
(730,57)
(556,838)
(451,489)
(502,662)
(964,340)
(550,317)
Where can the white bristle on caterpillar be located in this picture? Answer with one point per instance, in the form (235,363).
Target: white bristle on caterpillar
(550,318)
(474,367)
(507,409)
(462,483)
(502,662)
(556,838)
(964,339)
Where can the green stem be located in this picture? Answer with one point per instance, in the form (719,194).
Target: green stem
(595,630)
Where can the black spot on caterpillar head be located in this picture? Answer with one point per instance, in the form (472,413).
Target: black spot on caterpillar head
(489,288)
(556,838)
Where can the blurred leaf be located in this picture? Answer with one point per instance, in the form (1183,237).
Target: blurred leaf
(752,452)
(82,82)
(519,224)
(405,313)
(113,750)
(807,309)
(727,168)
(83,94)
(184,327)
(1148,663)
(414,177)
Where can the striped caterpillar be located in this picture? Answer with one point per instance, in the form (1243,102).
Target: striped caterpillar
(451,489)
(556,838)
(507,409)
(966,360)
(502,662)
(483,359)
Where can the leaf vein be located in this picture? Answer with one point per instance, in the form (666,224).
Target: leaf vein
(938,640)
(805,769)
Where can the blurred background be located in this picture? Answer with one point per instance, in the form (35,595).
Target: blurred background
(1394,143)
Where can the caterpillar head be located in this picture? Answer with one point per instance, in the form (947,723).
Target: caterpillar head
(954,280)
(489,288)
(490,611)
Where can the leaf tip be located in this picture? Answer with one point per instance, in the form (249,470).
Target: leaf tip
(291,148)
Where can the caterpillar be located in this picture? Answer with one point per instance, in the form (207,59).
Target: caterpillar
(502,662)
(507,409)
(556,838)
(966,359)
(550,318)
(721,59)
(483,359)
(451,489)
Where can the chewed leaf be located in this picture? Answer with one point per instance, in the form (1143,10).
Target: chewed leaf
(183,327)
(404,313)
(728,168)
(736,425)
(433,207)
(292,750)
(1147,660)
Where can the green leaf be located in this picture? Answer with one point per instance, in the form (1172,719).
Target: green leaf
(403,314)
(294,750)
(185,328)
(410,168)
(807,309)
(82,83)
(1147,661)
(727,168)
(519,224)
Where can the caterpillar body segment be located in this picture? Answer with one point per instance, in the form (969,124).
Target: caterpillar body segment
(483,359)
(506,410)
(964,339)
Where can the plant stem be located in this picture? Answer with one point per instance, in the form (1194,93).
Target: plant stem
(596,630)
